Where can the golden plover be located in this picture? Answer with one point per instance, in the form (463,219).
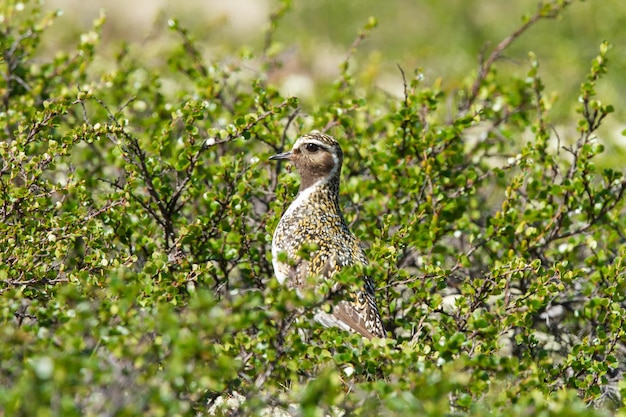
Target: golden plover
(314,220)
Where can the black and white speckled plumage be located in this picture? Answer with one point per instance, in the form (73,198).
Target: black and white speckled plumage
(314,220)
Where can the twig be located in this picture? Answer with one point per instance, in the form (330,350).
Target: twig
(485,66)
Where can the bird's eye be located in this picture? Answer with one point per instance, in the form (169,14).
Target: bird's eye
(312,147)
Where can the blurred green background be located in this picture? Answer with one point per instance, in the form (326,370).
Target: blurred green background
(443,37)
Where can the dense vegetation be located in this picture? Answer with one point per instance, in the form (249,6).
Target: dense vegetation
(137,206)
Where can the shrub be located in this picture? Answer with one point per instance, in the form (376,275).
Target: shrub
(137,209)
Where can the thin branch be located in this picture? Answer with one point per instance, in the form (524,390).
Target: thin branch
(485,66)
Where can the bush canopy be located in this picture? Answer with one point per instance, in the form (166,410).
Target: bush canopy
(137,207)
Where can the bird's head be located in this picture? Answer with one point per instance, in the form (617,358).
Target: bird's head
(317,157)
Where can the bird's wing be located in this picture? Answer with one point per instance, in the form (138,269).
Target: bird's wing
(360,318)
(359,315)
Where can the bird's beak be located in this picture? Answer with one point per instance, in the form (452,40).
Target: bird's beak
(281,156)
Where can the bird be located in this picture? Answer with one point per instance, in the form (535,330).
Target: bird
(314,220)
